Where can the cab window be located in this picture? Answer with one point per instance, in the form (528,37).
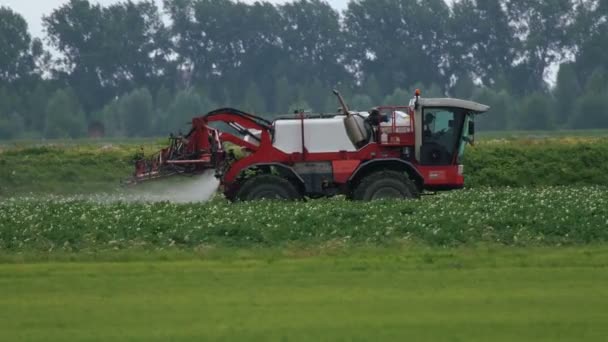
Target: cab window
(441,131)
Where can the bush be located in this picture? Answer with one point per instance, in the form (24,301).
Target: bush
(537,163)
(361,103)
(137,111)
(536,113)
(501,109)
(64,116)
(591,111)
(11,126)
(186,105)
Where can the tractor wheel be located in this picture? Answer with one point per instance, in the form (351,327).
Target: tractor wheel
(267,187)
(385,185)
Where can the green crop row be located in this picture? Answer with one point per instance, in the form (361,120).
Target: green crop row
(87,168)
(510,216)
(64,169)
(547,162)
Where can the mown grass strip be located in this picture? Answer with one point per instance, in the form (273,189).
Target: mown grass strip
(552,295)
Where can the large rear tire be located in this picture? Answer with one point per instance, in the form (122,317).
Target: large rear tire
(269,187)
(383,185)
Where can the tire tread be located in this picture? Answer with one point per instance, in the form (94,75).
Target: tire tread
(360,191)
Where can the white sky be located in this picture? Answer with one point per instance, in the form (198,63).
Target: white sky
(33,10)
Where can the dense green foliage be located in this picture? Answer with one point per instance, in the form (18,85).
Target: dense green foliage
(547,216)
(537,162)
(128,72)
(86,166)
(64,170)
(411,294)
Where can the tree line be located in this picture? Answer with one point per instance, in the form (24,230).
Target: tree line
(134,69)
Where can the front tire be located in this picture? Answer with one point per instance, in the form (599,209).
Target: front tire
(385,185)
(269,187)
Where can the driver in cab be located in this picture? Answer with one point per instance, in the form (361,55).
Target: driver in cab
(429,118)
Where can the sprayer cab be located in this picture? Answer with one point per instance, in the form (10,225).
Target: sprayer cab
(445,126)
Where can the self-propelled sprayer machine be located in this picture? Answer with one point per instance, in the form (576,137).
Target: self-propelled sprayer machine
(387,152)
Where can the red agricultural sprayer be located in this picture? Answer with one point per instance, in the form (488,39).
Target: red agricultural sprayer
(386,152)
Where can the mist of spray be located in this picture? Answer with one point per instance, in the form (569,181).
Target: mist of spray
(194,189)
(200,188)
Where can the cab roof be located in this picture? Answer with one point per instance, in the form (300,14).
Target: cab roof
(451,102)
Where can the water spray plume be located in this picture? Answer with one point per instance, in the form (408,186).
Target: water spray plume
(200,188)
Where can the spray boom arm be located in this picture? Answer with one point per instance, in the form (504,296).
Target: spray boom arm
(202,148)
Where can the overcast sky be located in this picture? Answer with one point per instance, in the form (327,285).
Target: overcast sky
(33,10)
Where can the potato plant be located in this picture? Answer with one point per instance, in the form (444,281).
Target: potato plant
(510,216)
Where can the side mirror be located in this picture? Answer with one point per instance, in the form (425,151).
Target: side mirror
(471,138)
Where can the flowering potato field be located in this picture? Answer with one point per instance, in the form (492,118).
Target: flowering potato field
(516,216)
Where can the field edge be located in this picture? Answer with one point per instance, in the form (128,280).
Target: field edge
(414,256)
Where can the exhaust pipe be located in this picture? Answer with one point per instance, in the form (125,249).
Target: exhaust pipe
(353,124)
(342,103)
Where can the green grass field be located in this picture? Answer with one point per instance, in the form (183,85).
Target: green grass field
(367,295)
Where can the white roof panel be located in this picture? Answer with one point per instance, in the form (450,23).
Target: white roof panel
(450,102)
